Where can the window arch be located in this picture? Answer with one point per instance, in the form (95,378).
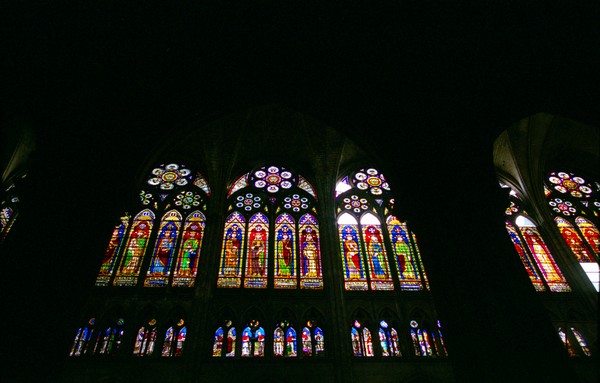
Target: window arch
(83,338)
(372,240)
(284,340)
(388,340)
(224,341)
(180,197)
(271,234)
(574,342)
(109,341)
(137,242)
(427,340)
(362,341)
(145,341)
(570,197)
(539,263)
(174,341)
(253,340)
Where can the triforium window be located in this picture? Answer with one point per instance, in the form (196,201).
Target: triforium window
(271,234)
(164,252)
(376,248)
(575,205)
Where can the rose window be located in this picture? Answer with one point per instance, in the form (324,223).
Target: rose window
(295,203)
(166,177)
(371,180)
(563,207)
(273,179)
(355,203)
(248,202)
(188,199)
(569,183)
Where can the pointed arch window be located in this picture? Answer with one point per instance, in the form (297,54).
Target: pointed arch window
(271,228)
(224,341)
(83,338)
(539,263)
(253,340)
(427,341)
(137,242)
(174,340)
(362,341)
(570,198)
(573,341)
(113,249)
(388,340)
(145,340)
(284,340)
(313,340)
(372,241)
(7,218)
(109,342)
(180,199)
(164,250)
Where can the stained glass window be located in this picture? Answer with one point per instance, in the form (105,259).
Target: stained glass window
(404,255)
(363,203)
(422,340)
(145,340)
(525,258)
(272,221)
(310,253)
(7,218)
(111,253)
(380,276)
(352,260)
(186,266)
(171,192)
(584,255)
(83,338)
(255,274)
(285,254)
(573,341)
(164,250)
(590,233)
(253,340)
(230,270)
(174,340)
(224,340)
(284,340)
(137,241)
(109,342)
(388,340)
(362,342)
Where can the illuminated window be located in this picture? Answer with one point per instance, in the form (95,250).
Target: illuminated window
(271,225)
(180,200)
(570,197)
(313,340)
(362,341)
(253,340)
(224,341)
(174,340)
(372,240)
(109,341)
(83,338)
(145,340)
(574,343)
(427,340)
(388,340)
(284,340)
(539,263)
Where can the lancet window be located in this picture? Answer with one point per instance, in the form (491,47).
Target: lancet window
(271,234)
(377,250)
(539,263)
(178,197)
